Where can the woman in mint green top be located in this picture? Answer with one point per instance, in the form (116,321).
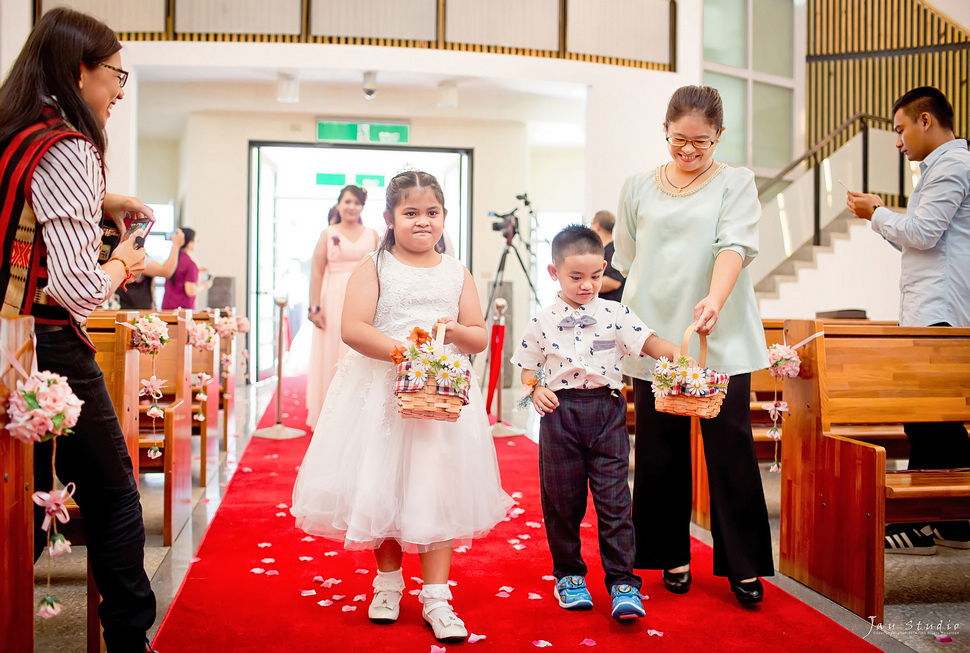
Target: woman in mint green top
(684,235)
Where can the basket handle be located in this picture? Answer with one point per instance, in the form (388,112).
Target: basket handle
(439,336)
(686,341)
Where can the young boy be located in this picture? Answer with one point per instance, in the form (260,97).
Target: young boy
(578,343)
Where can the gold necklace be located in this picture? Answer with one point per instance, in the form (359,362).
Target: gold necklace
(680,189)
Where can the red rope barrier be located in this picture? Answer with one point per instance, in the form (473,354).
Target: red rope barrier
(496,347)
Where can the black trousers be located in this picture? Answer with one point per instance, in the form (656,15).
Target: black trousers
(662,486)
(584,442)
(96,460)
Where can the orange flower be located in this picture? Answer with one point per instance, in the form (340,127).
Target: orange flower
(419,336)
(397,355)
(534,381)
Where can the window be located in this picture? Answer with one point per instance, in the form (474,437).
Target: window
(750,50)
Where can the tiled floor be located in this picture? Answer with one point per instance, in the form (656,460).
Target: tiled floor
(925,596)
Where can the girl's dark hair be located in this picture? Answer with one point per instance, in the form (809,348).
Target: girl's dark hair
(357,192)
(189,234)
(49,67)
(704,100)
(333,215)
(397,190)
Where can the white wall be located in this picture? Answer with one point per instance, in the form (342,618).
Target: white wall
(557,180)
(860,272)
(159,161)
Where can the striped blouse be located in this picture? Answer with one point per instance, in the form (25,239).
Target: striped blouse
(67,196)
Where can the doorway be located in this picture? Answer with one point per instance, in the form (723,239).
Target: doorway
(292,187)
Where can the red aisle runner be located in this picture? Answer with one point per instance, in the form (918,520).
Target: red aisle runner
(226,604)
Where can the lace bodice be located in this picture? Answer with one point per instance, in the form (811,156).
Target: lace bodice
(411,297)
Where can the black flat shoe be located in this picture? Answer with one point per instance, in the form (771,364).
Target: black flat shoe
(678,582)
(750,592)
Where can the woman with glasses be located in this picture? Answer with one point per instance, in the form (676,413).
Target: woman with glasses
(60,234)
(684,234)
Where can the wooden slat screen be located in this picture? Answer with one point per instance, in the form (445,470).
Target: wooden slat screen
(127,16)
(863,54)
(631,33)
(624,29)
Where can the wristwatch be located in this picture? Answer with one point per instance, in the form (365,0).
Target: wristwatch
(314,309)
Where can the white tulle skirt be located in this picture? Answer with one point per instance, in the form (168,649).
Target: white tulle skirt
(369,475)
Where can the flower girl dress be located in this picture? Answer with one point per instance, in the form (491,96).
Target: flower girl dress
(370,475)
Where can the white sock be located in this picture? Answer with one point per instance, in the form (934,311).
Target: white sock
(389,581)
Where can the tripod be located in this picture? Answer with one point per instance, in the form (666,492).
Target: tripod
(500,272)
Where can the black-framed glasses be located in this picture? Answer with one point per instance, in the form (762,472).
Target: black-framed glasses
(699,143)
(123,73)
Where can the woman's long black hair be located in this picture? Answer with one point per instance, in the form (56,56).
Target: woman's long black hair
(48,70)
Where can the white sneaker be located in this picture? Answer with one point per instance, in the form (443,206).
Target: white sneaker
(385,608)
(441,617)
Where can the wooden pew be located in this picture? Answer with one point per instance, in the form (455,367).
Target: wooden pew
(118,360)
(227,378)
(836,494)
(889,436)
(208,431)
(174,435)
(16,506)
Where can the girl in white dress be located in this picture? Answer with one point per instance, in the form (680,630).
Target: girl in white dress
(372,479)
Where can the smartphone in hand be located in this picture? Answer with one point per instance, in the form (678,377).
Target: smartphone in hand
(143,222)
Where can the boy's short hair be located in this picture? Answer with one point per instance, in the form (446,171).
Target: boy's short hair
(605,220)
(929,100)
(575,239)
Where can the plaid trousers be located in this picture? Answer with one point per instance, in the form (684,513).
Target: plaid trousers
(584,443)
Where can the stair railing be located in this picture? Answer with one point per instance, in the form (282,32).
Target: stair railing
(862,121)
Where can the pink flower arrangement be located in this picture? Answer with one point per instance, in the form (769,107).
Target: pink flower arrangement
(152,387)
(53,504)
(783,362)
(151,333)
(43,407)
(58,545)
(226,362)
(202,336)
(204,379)
(49,607)
(226,327)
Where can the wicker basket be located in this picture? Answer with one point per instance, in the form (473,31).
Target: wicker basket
(689,405)
(426,403)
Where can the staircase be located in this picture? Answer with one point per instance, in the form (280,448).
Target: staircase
(807,219)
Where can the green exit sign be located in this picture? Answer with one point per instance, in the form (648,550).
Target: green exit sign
(334,131)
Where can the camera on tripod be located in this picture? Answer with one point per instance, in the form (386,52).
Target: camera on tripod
(507,224)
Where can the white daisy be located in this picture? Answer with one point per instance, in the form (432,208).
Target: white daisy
(417,373)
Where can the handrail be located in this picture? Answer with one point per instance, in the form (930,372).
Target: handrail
(864,117)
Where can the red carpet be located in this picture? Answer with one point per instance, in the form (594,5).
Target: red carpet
(223,606)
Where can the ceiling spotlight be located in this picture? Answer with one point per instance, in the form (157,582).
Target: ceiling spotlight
(448,95)
(287,88)
(370,84)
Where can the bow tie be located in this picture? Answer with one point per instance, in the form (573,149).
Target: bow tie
(582,321)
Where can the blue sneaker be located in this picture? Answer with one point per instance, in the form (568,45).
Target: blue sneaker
(572,593)
(626,602)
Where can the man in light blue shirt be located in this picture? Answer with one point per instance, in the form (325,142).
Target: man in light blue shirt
(934,286)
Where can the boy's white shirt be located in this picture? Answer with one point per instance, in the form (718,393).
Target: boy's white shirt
(582,356)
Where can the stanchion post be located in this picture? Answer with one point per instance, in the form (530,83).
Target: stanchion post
(278,431)
(501,428)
